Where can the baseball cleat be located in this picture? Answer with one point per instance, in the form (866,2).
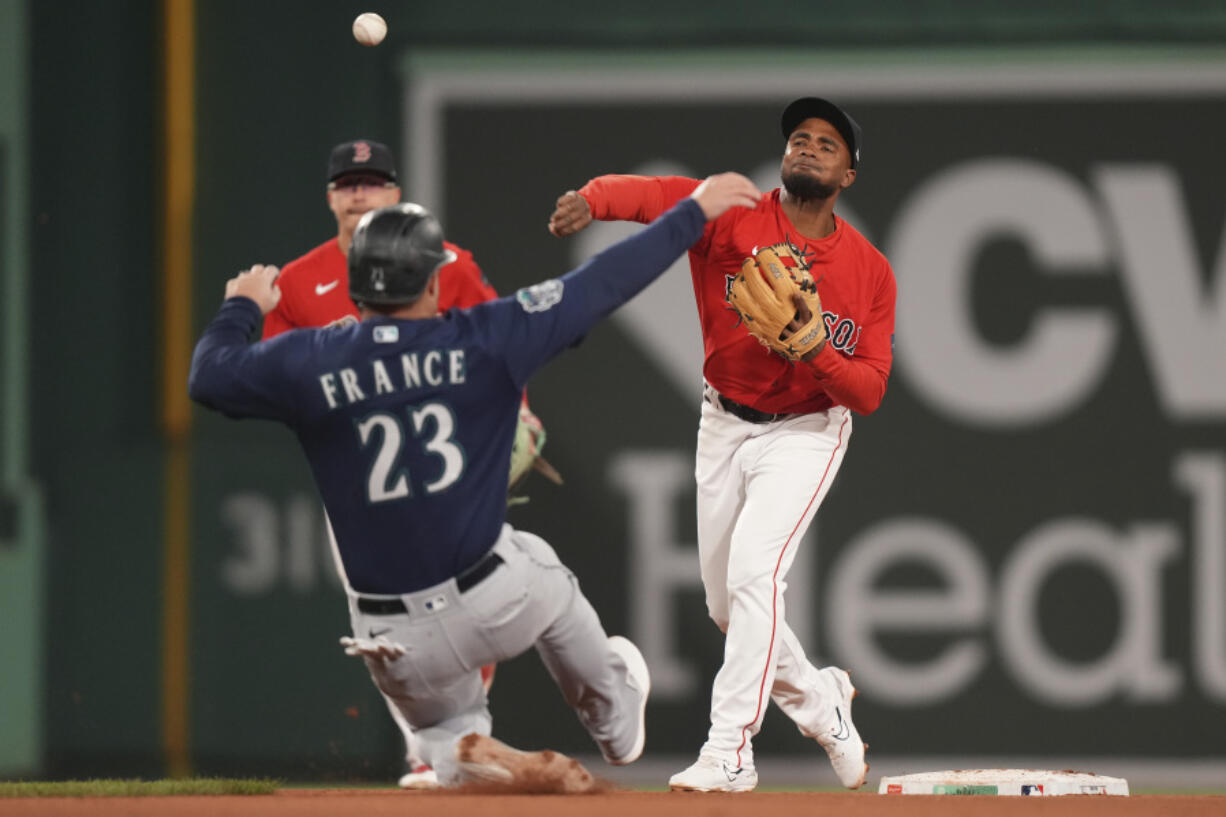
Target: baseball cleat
(483,759)
(710,774)
(419,776)
(639,679)
(842,740)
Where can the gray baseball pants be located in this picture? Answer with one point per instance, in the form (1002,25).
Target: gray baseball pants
(531,600)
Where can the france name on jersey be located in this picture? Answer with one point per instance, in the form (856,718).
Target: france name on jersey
(408,424)
(430,408)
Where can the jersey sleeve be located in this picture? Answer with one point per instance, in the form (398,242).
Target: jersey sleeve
(540,321)
(859,381)
(635,198)
(462,284)
(241,379)
(282,318)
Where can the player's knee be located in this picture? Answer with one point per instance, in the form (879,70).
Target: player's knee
(747,582)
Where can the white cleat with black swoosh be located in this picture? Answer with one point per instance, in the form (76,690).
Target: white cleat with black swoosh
(712,774)
(842,740)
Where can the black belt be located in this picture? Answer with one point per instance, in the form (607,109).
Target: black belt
(749,415)
(476,574)
(466,581)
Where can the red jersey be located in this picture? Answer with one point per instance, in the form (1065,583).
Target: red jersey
(315,289)
(854,281)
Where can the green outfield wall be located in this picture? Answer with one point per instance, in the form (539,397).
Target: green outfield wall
(21,519)
(1025,552)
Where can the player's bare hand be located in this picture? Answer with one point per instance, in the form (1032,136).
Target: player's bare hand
(570,215)
(259,284)
(378,647)
(802,317)
(719,193)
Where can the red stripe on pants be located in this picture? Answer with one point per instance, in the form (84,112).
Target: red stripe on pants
(775,595)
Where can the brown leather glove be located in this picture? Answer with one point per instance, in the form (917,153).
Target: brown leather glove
(771,297)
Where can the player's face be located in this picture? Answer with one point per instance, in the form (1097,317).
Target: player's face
(816,161)
(351,197)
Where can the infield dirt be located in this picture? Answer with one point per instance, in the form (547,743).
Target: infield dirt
(375,803)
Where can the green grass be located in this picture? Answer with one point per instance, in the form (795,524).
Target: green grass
(137,788)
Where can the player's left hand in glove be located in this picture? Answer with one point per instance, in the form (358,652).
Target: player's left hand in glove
(779,304)
(526,454)
(378,647)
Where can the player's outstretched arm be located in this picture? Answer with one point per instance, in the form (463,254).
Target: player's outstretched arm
(228,372)
(615,275)
(572,212)
(618,197)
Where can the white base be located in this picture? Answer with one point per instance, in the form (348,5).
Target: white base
(1009,782)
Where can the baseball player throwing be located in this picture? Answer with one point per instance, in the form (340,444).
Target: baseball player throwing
(406,420)
(315,292)
(776,418)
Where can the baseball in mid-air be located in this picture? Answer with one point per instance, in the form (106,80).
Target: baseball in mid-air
(369,28)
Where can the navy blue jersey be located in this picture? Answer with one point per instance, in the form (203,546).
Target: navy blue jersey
(407,424)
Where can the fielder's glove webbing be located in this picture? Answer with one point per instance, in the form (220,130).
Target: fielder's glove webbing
(778,303)
(526,454)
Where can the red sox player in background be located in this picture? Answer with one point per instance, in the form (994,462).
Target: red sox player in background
(315,292)
(773,433)
(315,287)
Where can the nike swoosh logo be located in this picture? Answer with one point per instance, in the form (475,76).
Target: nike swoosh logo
(730,773)
(384,631)
(843,733)
(323,289)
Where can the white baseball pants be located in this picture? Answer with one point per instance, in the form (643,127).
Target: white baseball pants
(759,486)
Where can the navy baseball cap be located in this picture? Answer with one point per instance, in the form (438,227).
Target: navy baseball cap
(361,156)
(812,107)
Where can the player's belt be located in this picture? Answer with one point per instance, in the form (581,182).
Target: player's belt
(747,413)
(476,574)
(466,581)
(381,607)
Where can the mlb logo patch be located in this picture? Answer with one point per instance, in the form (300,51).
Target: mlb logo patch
(387,334)
(1032,788)
(436,604)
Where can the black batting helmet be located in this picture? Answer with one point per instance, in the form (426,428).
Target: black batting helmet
(394,252)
